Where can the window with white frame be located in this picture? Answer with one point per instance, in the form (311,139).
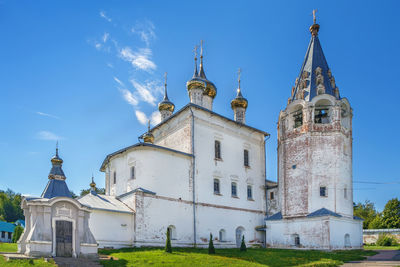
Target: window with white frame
(323,192)
(133,172)
(217,149)
(216,187)
(246,158)
(249,192)
(115,177)
(234,189)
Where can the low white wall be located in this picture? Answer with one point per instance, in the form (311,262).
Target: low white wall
(112,229)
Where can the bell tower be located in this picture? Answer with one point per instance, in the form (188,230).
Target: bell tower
(315,141)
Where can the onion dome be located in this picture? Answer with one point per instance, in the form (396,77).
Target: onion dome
(56,186)
(166,104)
(199,79)
(148,136)
(93,187)
(239,101)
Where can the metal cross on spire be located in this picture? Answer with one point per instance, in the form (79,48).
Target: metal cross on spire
(314,15)
(195,51)
(201,49)
(239,73)
(148,126)
(57,148)
(165,76)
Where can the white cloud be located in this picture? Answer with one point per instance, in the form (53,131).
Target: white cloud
(47,135)
(142,118)
(105,37)
(129,97)
(155,118)
(139,59)
(119,81)
(47,115)
(110,65)
(104,16)
(145,30)
(147,91)
(98,46)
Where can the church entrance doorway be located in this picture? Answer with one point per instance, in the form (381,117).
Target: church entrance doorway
(239,234)
(63,239)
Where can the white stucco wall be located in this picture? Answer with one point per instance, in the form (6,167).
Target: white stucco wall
(112,229)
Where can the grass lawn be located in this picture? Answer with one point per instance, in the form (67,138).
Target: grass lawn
(229,257)
(12,247)
(8,247)
(367,247)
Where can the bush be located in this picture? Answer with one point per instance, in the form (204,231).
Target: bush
(211,249)
(386,240)
(243,245)
(168,247)
(17,233)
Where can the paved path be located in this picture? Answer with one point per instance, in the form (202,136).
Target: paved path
(74,262)
(384,258)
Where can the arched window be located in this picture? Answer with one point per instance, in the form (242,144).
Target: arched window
(172,232)
(246,158)
(249,192)
(321,111)
(239,235)
(296,240)
(234,189)
(115,177)
(217,149)
(216,187)
(347,243)
(222,235)
(133,172)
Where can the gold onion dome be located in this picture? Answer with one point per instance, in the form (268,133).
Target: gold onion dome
(148,137)
(92,184)
(56,159)
(199,79)
(166,104)
(315,27)
(239,101)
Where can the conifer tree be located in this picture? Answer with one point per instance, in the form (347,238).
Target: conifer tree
(211,249)
(168,247)
(243,245)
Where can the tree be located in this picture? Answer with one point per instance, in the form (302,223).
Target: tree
(18,230)
(243,245)
(10,206)
(168,247)
(211,249)
(365,211)
(101,191)
(377,222)
(391,214)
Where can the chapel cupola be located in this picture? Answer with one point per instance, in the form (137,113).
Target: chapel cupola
(56,186)
(239,104)
(315,77)
(93,187)
(148,137)
(166,107)
(201,91)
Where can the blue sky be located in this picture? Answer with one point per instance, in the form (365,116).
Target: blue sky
(90,73)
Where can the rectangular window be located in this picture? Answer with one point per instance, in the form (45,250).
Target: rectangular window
(249,192)
(246,158)
(321,115)
(133,172)
(345,193)
(217,148)
(9,235)
(271,195)
(216,186)
(322,191)
(3,234)
(234,189)
(115,177)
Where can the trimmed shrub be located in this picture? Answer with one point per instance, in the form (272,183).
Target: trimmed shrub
(211,249)
(168,247)
(18,230)
(243,245)
(386,240)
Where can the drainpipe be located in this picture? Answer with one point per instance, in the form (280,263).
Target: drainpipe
(193,180)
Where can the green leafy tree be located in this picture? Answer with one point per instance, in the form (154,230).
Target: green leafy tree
(10,206)
(377,222)
(168,247)
(243,245)
(18,230)
(365,211)
(101,191)
(211,249)
(391,214)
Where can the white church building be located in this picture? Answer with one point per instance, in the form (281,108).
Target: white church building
(198,172)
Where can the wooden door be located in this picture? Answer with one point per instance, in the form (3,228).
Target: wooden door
(63,239)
